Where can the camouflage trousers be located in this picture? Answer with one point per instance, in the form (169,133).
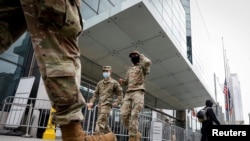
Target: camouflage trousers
(57,55)
(102,125)
(132,105)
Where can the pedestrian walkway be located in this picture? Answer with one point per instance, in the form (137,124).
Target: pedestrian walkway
(20,138)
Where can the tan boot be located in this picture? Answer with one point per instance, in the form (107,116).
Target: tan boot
(73,132)
(132,138)
(109,137)
(101,137)
(135,138)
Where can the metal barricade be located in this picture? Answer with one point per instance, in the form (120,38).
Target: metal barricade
(177,133)
(159,130)
(90,119)
(36,113)
(115,123)
(197,136)
(193,136)
(24,114)
(162,131)
(190,135)
(145,126)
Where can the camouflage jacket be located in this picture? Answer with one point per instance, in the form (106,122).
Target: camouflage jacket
(135,76)
(106,91)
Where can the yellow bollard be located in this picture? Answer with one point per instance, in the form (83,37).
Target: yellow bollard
(50,133)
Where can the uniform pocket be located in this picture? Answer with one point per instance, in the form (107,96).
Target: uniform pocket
(61,69)
(51,12)
(73,20)
(61,83)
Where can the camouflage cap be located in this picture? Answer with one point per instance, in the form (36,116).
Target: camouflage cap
(134,52)
(106,68)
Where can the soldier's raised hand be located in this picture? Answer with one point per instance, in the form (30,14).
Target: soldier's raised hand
(121,81)
(115,104)
(89,105)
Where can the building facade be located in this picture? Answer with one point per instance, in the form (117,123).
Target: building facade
(236,112)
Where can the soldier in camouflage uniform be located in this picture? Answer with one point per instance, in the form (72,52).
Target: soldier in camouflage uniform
(133,102)
(105,91)
(54,26)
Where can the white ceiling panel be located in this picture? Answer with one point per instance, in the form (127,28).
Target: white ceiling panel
(157,72)
(193,85)
(173,89)
(164,81)
(110,35)
(175,64)
(137,23)
(159,47)
(90,48)
(185,76)
(117,66)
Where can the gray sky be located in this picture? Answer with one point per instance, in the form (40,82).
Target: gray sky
(230,19)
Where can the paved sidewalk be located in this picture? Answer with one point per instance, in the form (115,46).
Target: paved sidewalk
(20,138)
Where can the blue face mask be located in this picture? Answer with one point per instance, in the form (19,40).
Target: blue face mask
(106,74)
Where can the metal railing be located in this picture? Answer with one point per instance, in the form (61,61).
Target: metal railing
(33,116)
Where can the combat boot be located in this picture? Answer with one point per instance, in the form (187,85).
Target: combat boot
(109,137)
(73,132)
(135,137)
(101,137)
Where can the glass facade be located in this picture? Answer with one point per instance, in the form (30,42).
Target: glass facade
(201,49)
(186,6)
(172,17)
(90,8)
(15,63)
(236,100)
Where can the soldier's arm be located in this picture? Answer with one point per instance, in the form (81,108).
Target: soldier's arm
(94,97)
(124,81)
(119,94)
(146,63)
